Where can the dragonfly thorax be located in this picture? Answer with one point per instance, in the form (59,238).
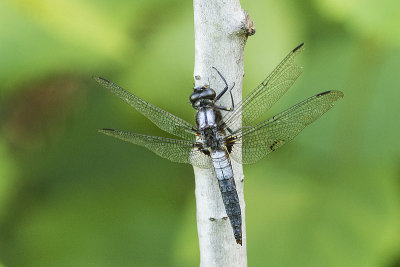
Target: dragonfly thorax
(211,139)
(208,119)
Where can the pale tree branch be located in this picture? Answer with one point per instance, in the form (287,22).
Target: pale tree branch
(221,30)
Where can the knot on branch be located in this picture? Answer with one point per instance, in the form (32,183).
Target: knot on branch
(224,218)
(249,27)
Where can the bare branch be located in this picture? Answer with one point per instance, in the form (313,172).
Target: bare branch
(221,30)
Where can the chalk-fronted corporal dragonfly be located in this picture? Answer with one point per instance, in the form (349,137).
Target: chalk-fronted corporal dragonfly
(214,141)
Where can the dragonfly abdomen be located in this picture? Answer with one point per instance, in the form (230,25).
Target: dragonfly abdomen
(227,187)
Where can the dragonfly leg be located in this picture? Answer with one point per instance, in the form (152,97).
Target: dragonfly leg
(223,108)
(224,91)
(226,85)
(233,103)
(230,92)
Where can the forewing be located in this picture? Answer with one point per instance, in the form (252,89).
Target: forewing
(181,151)
(258,141)
(163,119)
(269,91)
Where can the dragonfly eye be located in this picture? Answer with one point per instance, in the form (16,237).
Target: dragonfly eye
(202,93)
(194,97)
(207,94)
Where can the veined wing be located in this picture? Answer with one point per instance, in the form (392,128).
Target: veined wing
(181,151)
(163,119)
(269,135)
(269,91)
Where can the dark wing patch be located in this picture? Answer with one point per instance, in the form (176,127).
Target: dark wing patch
(254,143)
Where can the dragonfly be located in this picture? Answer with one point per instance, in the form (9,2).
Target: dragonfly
(213,142)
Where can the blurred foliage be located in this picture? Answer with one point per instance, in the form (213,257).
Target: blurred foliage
(72,197)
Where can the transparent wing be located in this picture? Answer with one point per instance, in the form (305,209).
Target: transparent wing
(163,119)
(267,136)
(268,92)
(175,150)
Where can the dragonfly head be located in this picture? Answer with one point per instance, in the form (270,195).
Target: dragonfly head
(202,96)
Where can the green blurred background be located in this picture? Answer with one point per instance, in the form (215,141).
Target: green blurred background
(70,196)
